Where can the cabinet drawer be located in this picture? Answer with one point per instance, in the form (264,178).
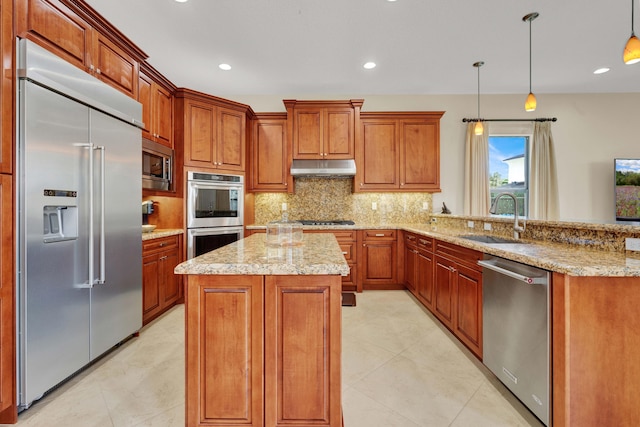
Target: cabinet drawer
(159,244)
(425,243)
(379,234)
(348,250)
(459,254)
(346,235)
(410,240)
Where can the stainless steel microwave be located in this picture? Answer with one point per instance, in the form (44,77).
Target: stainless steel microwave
(157,165)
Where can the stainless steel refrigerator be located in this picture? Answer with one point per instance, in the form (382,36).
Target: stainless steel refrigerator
(79,267)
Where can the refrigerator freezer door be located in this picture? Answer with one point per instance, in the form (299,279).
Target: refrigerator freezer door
(53,293)
(116,305)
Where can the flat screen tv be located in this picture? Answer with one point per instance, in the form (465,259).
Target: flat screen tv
(627,189)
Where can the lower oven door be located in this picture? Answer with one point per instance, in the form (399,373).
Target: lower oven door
(203,240)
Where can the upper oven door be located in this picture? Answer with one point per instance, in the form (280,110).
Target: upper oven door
(212,204)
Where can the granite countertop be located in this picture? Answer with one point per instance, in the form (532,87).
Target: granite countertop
(574,260)
(571,259)
(158,233)
(319,254)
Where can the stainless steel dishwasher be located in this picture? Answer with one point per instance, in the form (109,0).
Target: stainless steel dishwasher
(515,318)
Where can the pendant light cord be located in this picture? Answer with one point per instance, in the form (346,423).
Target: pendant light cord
(478,91)
(530,56)
(632,32)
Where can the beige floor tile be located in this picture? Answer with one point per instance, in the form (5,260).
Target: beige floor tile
(362,411)
(400,368)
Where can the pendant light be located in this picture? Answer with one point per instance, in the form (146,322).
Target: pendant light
(530,104)
(479,129)
(631,53)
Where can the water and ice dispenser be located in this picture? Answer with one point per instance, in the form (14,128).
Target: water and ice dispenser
(60,223)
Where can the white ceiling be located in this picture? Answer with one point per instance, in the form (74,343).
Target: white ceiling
(318,47)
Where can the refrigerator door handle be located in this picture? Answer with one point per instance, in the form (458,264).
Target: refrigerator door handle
(101,279)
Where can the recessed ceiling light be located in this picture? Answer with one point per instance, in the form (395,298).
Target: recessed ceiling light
(601,70)
(225,67)
(181,1)
(369,65)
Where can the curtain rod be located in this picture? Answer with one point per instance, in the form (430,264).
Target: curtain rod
(542,119)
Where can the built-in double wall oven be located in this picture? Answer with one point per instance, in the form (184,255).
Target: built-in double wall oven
(215,211)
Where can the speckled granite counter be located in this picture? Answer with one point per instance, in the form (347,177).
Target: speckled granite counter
(318,255)
(165,232)
(592,259)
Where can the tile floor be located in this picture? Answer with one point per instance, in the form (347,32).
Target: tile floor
(400,369)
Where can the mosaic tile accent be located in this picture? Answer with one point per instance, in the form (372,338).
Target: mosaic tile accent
(327,199)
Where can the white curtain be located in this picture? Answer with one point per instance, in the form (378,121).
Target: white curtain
(476,172)
(543,185)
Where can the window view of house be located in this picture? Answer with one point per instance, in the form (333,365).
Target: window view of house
(508,172)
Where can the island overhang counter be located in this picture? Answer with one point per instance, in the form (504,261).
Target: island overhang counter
(263,333)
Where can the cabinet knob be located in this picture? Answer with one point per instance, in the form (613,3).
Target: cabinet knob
(98,71)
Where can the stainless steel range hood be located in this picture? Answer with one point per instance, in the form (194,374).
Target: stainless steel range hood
(324,168)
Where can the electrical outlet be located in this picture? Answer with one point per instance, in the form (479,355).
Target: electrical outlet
(470,224)
(374,206)
(425,206)
(284,206)
(487,226)
(632,244)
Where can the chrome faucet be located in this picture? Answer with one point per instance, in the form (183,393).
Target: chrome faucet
(517,229)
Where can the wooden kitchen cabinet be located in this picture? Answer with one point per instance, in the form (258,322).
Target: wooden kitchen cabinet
(8,409)
(263,350)
(378,259)
(76,33)
(157,107)
(323,129)
(347,239)
(161,288)
(214,131)
(419,266)
(269,154)
(7,43)
(398,151)
(458,293)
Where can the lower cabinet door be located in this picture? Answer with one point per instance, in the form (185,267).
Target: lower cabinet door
(424,278)
(468,324)
(443,292)
(302,351)
(224,347)
(151,299)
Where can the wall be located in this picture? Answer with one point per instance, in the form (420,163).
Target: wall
(331,199)
(592,129)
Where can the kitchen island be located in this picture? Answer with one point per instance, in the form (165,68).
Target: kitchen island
(263,334)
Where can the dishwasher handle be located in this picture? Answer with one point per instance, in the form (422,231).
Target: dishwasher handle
(526,279)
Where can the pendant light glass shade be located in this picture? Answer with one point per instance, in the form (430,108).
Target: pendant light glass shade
(479,129)
(530,104)
(631,53)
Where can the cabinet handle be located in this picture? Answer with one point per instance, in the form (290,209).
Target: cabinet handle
(379,234)
(411,238)
(424,242)
(162,244)
(344,252)
(98,71)
(452,269)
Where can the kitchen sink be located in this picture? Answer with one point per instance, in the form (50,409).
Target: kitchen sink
(491,239)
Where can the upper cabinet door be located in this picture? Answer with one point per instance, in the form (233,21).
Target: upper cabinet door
(419,155)
(339,133)
(67,32)
(114,66)
(323,129)
(268,154)
(56,27)
(378,155)
(231,139)
(157,110)
(199,134)
(308,135)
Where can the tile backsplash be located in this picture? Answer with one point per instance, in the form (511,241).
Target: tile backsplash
(326,199)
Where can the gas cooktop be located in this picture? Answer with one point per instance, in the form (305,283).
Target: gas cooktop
(326,222)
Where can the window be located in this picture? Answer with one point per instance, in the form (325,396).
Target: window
(509,172)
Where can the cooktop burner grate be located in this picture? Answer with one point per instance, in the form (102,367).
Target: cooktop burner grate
(326,222)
